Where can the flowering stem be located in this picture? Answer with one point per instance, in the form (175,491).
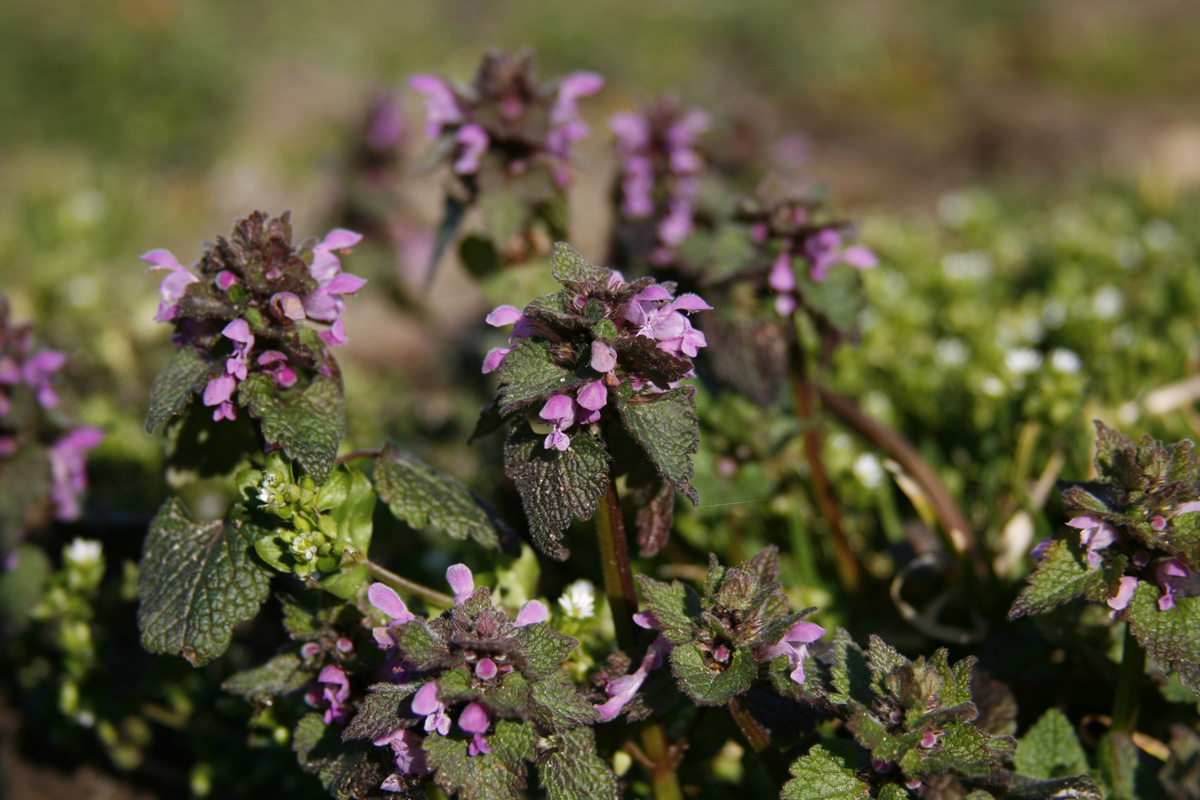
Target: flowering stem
(849,570)
(1129,685)
(618,573)
(947,510)
(662,766)
(759,740)
(405,586)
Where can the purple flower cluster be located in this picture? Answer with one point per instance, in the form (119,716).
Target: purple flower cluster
(652,313)
(474,719)
(796,230)
(660,169)
(505,112)
(265,291)
(26,368)
(1172,576)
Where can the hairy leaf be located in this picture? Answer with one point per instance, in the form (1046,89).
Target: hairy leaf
(1050,749)
(1169,637)
(654,521)
(544,649)
(706,685)
(379,712)
(529,373)
(422,496)
(196,581)
(560,706)
(824,775)
(184,375)
(498,775)
(571,770)
(850,673)
(667,429)
(308,425)
(280,675)
(574,271)
(1060,576)
(675,606)
(963,750)
(347,771)
(555,486)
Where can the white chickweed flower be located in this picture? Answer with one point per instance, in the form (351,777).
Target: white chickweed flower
(579,600)
(83,552)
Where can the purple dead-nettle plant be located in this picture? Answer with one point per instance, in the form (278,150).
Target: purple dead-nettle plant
(242,315)
(479,682)
(43,457)
(661,167)
(508,140)
(598,362)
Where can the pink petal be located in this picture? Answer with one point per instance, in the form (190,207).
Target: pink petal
(690,302)
(161,259)
(345,283)
(494,358)
(859,257)
(504,315)
(531,612)
(238,331)
(557,440)
(461,581)
(473,719)
(425,701)
(604,357)
(558,409)
(386,600)
(339,239)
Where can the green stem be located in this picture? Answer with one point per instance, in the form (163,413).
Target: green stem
(405,586)
(662,770)
(848,568)
(1129,685)
(618,572)
(357,454)
(759,740)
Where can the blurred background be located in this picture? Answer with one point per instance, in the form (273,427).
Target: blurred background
(1027,171)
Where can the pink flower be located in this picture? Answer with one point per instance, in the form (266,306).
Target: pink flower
(461,581)
(1095,535)
(386,600)
(173,286)
(68,470)
(37,372)
(532,612)
(560,412)
(1120,600)
(794,645)
(623,689)
(474,142)
(410,758)
(442,107)
(336,691)
(426,704)
(474,720)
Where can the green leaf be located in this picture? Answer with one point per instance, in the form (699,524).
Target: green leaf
(504,216)
(822,775)
(1117,759)
(1077,788)
(498,775)
(574,271)
(422,496)
(1169,637)
(667,429)
(839,299)
(22,588)
(675,606)
(963,750)
(544,648)
(280,675)
(529,374)
(571,770)
(353,518)
(25,484)
(308,425)
(347,771)
(1050,749)
(196,581)
(1060,576)
(850,673)
(422,647)
(559,704)
(184,375)
(706,685)
(379,712)
(555,486)
(453,212)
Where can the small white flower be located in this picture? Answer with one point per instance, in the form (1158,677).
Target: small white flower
(304,548)
(1065,360)
(868,470)
(579,600)
(83,552)
(1022,360)
(950,352)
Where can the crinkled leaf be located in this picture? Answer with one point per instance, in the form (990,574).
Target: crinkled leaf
(422,496)
(280,675)
(308,425)
(555,486)
(963,750)
(1169,637)
(555,310)
(571,770)
(498,775)
(825,775)
(674,605)
(1182,538)
(559,705)
(748,353)
(573,270)
(667,429)
(1060,576)
(298,621)
(184,375)
(654,521)
(348,771)
(850,674)
(421,647)
(379,712)
(196,581)
(642,355)
(1050,749)
(529,373)
(544,649)
(706,685)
